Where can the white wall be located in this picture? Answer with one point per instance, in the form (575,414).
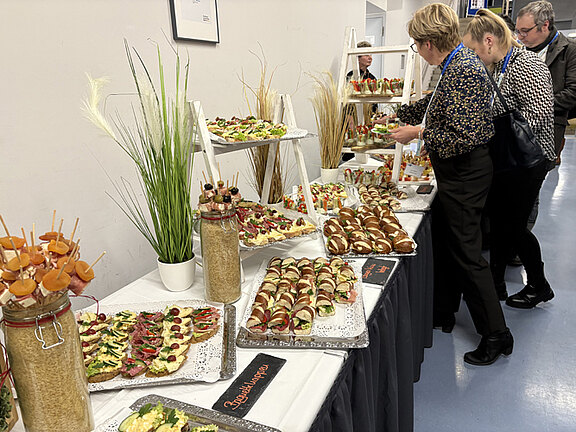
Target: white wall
(51,158)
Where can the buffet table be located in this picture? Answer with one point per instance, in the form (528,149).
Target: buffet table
(326,390)
(369,389)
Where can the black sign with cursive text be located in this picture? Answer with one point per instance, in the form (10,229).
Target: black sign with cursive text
(377,271)
(241,396)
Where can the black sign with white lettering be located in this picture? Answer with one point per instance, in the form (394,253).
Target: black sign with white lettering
(241,396)
(377,271)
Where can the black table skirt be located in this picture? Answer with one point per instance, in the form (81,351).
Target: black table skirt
(374,389)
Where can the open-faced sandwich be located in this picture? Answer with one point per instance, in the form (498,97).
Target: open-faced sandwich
(155,419)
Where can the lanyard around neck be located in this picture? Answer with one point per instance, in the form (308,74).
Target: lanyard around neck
(540,54)
(504,66)
(450,57)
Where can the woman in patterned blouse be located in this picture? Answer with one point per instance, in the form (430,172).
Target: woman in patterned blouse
(526,85)
(455,124)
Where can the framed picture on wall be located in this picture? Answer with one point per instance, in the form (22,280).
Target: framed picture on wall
(195,20)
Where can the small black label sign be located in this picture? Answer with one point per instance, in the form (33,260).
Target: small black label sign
(377,271)
(239,398)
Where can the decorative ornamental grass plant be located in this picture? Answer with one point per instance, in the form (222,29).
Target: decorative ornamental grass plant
(160,141)
(330,113)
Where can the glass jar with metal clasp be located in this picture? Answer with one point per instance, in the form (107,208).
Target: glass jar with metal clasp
(45,357)
(220,256)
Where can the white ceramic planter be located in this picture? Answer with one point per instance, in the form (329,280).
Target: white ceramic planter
(178,276)
(329,175)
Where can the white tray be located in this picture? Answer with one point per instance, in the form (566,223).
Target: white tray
(208,361)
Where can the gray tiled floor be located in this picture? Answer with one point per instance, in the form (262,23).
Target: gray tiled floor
(534,389)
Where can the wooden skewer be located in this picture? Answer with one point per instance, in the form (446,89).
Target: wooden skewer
(59,230)
(21,275)
(219,173)
(97,259)
(15,250)
(3,255)
(33,232)
(74,230)
(76,247)
(204,175)
(201,188)
(25,241)
(5,227)
(60,272)
(53,220)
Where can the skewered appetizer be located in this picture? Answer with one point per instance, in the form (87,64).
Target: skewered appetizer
(361,176)
(382,87)
(218,198)
(260,225)
(294,291)
(247,129)
(366,230)
(326,197)
(36,274)
(408,158)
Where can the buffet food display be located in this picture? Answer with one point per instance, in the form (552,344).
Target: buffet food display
(327,198)
(381,87)
(246,129)
(261,225)
(156,343)
(305,303)
(366,232)
(39,327)
(154,413)
(409,158)
(365,137)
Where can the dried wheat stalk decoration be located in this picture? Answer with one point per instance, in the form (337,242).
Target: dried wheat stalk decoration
(330,114)
(258,156)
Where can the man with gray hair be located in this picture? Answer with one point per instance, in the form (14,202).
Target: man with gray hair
(535,29)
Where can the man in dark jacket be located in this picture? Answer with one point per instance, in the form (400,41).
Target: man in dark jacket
(535,29)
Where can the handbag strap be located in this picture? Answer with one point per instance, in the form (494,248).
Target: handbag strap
(497,89)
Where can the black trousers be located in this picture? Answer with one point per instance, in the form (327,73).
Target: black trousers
(459,268)
(510,203)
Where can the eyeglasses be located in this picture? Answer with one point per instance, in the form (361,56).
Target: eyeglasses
(524,33)
(414,48)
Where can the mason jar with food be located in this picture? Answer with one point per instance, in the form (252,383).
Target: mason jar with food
(45,357)
(219,243)
(41,335)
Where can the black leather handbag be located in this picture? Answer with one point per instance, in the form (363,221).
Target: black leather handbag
(514,145)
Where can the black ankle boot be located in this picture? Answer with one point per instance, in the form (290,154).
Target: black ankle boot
(445,321)
(490,348)
(501,290)
(530,296)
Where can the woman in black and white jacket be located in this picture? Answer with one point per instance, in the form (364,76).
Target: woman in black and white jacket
(526,85)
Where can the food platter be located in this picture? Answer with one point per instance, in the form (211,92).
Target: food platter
(198,416)
(413,203)
(208,361)
(345,329)
(294,133)
(351,199)
(290,214)
(353,255)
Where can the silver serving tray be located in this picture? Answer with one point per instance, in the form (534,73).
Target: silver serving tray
(352,255)
(327,338)
(413,203)
(198,416)
(228,359)
(291,214)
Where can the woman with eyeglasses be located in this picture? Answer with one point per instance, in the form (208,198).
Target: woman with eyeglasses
(526,85)
(454,123)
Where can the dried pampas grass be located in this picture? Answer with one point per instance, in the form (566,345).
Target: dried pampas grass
(266,99)
(330,113)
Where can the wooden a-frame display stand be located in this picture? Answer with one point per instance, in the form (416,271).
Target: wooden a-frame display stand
(283,110)
(413,72)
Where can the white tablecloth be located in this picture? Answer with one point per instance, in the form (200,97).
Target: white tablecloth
(292,400)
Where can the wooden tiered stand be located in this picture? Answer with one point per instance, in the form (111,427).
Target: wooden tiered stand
(413,72)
